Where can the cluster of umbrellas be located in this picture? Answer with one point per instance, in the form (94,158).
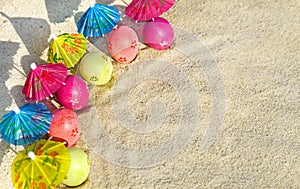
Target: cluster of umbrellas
(100,19)
(44,163)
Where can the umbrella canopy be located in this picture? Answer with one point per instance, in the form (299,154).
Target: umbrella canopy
(67,48)
(43,165)
(143,10)
(26,124)
(44,80)
(165,5)
(98,20)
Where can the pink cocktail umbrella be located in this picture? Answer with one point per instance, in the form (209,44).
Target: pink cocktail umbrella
(165,5)
(44,80)
(143,10)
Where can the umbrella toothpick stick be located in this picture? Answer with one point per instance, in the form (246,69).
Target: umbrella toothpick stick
(33,66)
(125,2)
(52,137)
(13,150)
(21,72)
(92,3)
(9,147)
(31,155)
(55,103)
(53,36)
(16,109)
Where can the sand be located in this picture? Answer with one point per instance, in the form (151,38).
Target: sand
(220,109)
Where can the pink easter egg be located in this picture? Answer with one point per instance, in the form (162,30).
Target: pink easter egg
(65,126)
(123,44)
(158,33)
(74,94)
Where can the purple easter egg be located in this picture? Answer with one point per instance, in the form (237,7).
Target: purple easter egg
(158,33)
(74,94)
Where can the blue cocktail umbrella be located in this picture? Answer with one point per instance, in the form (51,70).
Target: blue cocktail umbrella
(25,125)
(98,20)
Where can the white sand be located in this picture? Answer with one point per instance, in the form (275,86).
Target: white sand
(255,45)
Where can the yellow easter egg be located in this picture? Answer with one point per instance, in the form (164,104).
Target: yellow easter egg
(96,68)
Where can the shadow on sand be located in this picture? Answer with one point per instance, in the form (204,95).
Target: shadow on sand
(7,52)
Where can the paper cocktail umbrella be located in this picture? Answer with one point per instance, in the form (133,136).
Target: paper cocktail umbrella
(24,125)
(144,10)
(43,165)
(44,80)
(165,5)
(98,20)
(67,48)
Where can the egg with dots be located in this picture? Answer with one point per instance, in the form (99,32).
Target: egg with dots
(79,168)
(74,94)
(158,33)
(123,44)
(96,68)
(65,126)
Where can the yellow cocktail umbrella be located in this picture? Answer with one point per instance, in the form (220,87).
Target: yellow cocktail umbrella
(67,48)
(43,165)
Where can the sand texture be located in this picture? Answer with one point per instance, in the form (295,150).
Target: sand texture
(219,109)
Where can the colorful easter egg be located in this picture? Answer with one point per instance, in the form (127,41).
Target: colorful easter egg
(74,94)
(158,33)
(79,169)
(65,126)
(123,44)
(96,68)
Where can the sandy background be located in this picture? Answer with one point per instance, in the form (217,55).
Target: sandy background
(256,47)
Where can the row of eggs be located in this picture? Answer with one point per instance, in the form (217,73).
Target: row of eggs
(96,68)
(65,126)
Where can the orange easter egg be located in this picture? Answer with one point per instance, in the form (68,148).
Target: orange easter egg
(65,126)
